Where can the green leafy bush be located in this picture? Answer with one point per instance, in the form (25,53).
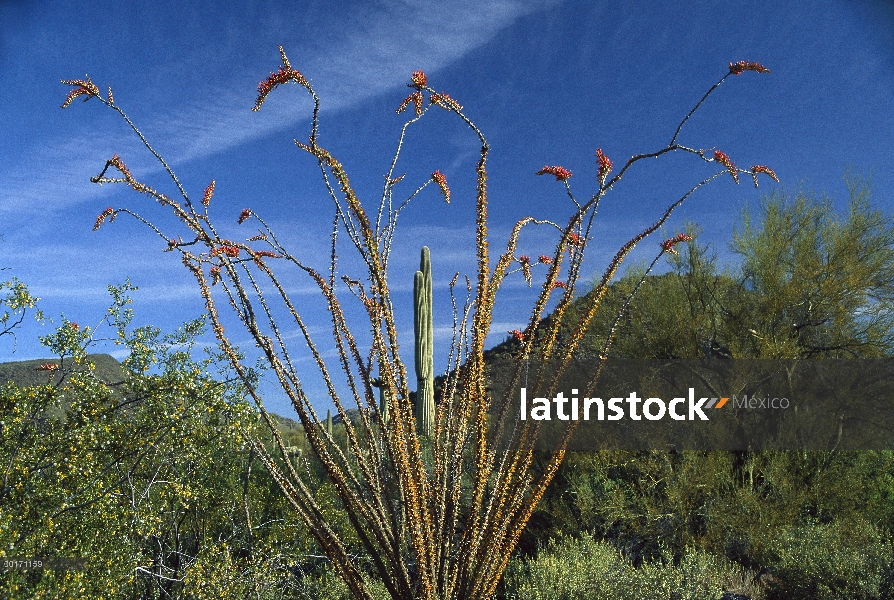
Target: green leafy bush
(149,479)
(571,569)
(832,561)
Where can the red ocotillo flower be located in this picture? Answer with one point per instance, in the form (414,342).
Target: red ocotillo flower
(419,80)
(245,214)
(84,86)
(416,99)
(209,191)
(439,178)
(259,254)
(526,267)
(444,100)
(605,165)
(561,173)
(231,251)
(763,169)
(668,245)
(744,65)
(518,335)
(559,285)
(47,367)
(546,260)
(109,212)
(726,162)
(215,275)
(285,74)
(116,162)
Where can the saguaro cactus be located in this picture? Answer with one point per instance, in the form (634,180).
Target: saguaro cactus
(424,335)
(383,399)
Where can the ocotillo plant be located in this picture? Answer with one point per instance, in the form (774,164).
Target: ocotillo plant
(439,529)
(423,330)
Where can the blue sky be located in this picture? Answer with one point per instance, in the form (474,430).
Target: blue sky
(547,82)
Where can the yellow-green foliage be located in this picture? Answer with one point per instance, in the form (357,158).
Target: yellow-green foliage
(151,480)
(13,306)
(827,561)
(109,487)
(818,522)
(572,569)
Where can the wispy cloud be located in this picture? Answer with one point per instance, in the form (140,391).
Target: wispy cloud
(376,57)
(376,54)
(154,293)
(56,173)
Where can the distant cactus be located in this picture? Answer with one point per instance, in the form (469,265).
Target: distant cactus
(294,453)
(329,422)
(424,346)
(383,404)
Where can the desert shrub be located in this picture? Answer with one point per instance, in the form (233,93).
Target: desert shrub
(584,567)
(816,522)
(326,585)
(832,561)
(147,479)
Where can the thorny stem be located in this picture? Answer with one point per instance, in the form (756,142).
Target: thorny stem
(695,108)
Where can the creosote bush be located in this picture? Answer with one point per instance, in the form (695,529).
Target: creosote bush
(438,527)
(570,568)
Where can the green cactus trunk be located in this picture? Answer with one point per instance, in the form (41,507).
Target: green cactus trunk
(329,422)
(383,404)
(424,335)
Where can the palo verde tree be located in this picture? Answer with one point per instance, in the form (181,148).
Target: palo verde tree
(821,284)
(443,528)
(142,474)
(810,282)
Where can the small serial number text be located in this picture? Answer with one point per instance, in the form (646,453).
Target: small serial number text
(17,563)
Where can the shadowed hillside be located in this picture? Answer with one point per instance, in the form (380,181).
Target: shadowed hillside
(25,373)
